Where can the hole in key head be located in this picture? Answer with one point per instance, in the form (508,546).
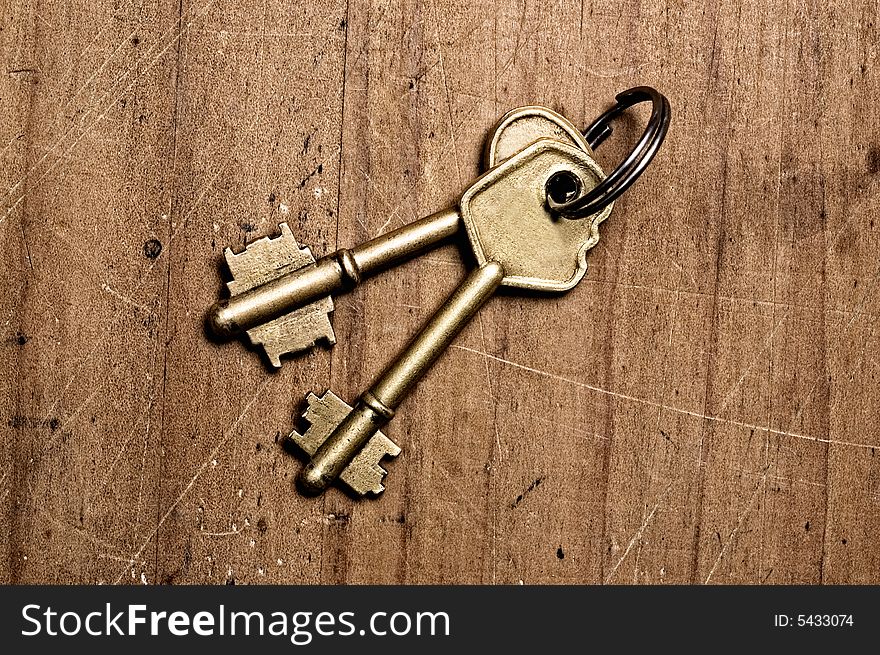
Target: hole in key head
(563,186)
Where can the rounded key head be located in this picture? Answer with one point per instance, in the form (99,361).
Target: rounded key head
(508,221)
(522,126)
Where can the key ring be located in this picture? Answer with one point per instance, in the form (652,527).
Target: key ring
(629,169)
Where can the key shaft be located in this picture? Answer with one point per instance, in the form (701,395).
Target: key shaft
(376,407)
(340,271)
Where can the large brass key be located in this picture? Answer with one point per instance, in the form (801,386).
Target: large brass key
(280,297)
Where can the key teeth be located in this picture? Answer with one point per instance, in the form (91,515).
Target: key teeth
(321,415)
(266,259)
(299,330)
(363,474)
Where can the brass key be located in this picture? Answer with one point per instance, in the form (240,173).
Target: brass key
(518,242)
(280,296)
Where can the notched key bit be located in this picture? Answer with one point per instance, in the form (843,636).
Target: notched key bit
(268,259)
(363,474)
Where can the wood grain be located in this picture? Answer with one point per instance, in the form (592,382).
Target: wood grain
(703,407)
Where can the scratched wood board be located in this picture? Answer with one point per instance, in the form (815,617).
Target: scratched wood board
(703,407)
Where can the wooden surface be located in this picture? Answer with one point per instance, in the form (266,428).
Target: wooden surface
(703,407)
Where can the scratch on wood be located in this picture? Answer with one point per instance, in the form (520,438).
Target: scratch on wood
(534,485)
(448,96)
(755,495)
(639,533)
(206,464)
(570,428)
(677,410)
(106,288)
(62,157)
(123,43)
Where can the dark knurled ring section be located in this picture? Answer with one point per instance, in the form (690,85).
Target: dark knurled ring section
(628,171)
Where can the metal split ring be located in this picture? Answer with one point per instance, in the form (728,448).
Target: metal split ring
(631,167)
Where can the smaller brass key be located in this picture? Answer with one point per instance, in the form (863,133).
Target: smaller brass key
(518,242)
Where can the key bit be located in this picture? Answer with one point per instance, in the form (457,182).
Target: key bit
(363,474)
(268,259)
(352,436)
